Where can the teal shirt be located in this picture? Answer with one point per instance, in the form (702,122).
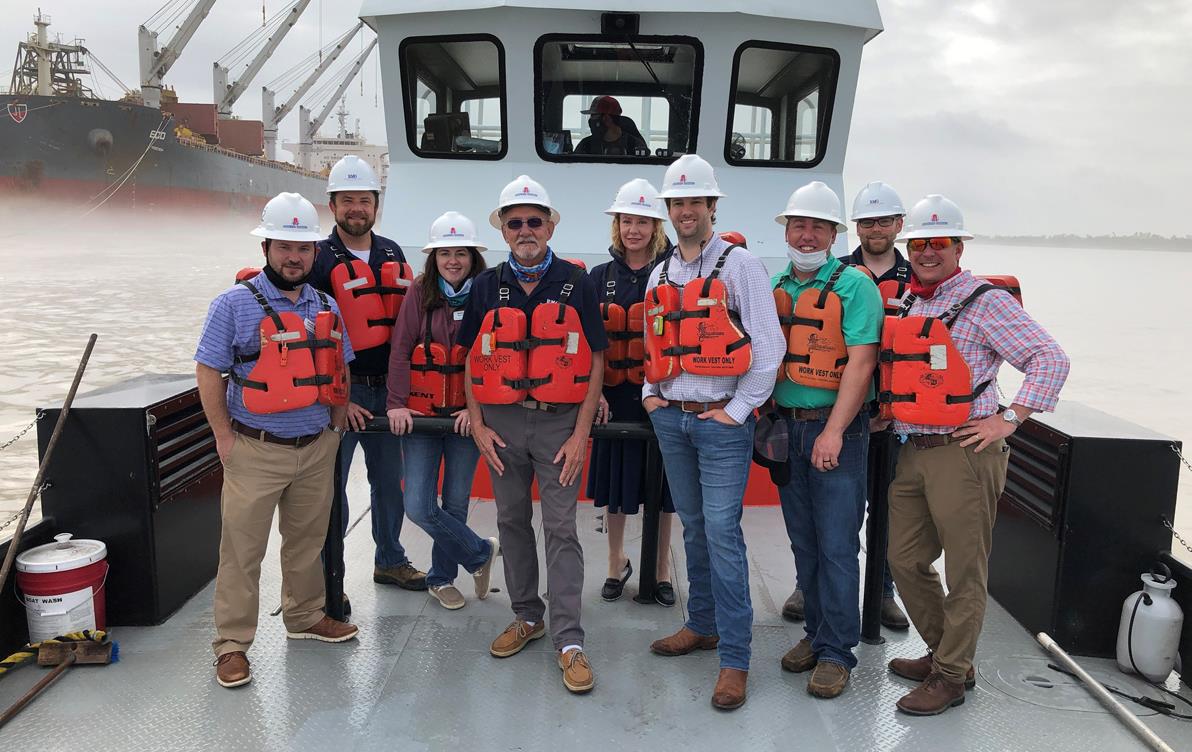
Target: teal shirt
(862,324)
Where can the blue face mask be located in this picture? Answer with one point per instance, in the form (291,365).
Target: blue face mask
(531,273)
(456,298)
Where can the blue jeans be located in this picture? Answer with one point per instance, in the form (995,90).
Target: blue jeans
(823,513)
(707,465)
(454,542)
(382,457)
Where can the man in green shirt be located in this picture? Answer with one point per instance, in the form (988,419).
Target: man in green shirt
(832,352)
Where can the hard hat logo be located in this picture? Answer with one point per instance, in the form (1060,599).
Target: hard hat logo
(294,223)
(935,218)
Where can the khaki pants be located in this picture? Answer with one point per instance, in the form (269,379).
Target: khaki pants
(945,499)
(258,478)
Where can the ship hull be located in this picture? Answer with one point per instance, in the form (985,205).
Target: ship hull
(112,155)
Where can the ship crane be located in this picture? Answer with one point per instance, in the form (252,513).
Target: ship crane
(307,128)
(272,116)
(227,94)
(155,61)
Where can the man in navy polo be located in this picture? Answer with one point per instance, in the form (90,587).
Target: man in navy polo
(533,439)
(279,460)
(354,189)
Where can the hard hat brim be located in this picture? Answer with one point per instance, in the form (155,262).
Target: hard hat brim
(840,226)
(447,244)
(872,214)
(494,219)
(935,232)
(690,193)
(613,211)
(302,236)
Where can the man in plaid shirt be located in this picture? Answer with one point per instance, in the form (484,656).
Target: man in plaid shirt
(949,478)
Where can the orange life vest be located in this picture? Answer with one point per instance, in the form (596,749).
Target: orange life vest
(1006,282)
(436,376)
(247,273)
(294,368)
(369,308)
(694,330)
(815,350)
(552,362)
(893,291)
(785,307)
(922,376)
(625,358)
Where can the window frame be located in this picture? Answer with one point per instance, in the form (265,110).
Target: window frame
(697,82)
(827,102)
(409,88)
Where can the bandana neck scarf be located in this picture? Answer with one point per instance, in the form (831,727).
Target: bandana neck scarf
(927,292)
(531,273)
(456,298)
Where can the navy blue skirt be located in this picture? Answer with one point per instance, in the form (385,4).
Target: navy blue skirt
(617,470)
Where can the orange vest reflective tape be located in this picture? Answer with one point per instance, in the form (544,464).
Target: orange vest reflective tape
(815,350)
(436,377)
(923,378)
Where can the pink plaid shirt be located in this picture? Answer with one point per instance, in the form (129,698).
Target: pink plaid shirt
(994,328)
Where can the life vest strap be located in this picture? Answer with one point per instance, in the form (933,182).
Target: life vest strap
(961,399)
(261,301)
(621,335)
(626,364)
(822,300)
(381,322)
(436,367)
(247,383)
(813,323)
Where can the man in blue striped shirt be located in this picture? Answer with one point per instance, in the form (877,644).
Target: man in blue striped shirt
(274,456)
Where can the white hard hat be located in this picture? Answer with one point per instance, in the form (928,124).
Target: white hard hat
(289,216)
(815,200)
(877,200)
(935,217)
(637,197)
(453,230)
(352,174)
(690,176)
(522,190)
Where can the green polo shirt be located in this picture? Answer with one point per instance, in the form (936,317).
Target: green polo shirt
(862,324)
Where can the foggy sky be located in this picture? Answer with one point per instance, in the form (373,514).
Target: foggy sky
(1036,117)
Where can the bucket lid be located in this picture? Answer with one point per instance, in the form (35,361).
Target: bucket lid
(66,554)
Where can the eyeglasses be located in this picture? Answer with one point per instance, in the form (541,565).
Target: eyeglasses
(533,223)
(881,221)
(937,244)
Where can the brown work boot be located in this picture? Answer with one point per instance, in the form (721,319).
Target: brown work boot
(484,576)
(405,576)
(800,658)
(730,689)
(793,608)
(828,680)
(577,672)
(683,642)
(231,670)
(515,637)
(935,695)
(326,630)
(892,616)
(918,669)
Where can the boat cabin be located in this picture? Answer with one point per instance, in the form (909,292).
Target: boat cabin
(480,91)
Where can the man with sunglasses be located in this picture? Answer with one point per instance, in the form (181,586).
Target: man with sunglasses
(532,439)
(951,471)
(878,213)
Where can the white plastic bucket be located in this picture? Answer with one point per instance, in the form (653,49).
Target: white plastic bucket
(62,586)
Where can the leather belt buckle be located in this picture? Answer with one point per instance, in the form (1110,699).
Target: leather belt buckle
(931,440)
(702,407)
(806,413)
(370,380)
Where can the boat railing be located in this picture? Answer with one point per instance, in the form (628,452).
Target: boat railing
(194,143)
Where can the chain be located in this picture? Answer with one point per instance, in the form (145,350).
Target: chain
(1187,464)
(17,515)
(24,431)
(1167,524)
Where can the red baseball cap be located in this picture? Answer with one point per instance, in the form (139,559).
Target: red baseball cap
(603,106)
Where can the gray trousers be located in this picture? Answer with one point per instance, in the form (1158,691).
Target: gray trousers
(532,439)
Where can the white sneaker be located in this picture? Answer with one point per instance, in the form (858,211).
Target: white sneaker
(447,595)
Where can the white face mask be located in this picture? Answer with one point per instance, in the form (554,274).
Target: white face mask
(807,262)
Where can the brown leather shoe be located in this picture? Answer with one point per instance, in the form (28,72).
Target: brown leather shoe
(800,658)
(515,637)
(405,576)
(683,642)
(892,615)
(828,680)
(935,695)
(794,606)
(231,669)
(918,669)
(327,630)
(577,672)
(730,689)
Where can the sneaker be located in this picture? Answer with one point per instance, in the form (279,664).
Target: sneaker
(577,672)
(231,669)
(447,595)
(327,630)
(406,576)
(793,608)
(484,575)
(828,680)
(515,637)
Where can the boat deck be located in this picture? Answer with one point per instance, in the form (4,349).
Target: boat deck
(420,678)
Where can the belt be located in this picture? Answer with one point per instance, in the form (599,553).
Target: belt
(360,378)
(262,435)
(931,440)
(546,407)
(805,413)
(700,407)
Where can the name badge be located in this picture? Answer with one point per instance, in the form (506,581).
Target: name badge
(458,315)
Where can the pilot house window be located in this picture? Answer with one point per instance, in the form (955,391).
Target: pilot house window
(782,104)
(605,100)
(454,91)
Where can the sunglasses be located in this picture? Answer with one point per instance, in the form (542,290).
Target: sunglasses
(533,223)
(880,221)
(937,244)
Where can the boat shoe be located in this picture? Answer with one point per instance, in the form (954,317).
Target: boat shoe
(515,637)
(231,669)
(447,595)
(577,672)
(484,576)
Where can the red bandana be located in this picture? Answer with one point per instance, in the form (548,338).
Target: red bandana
(926,292)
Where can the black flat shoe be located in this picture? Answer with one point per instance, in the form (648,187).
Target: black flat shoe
(613,587)
(664,594)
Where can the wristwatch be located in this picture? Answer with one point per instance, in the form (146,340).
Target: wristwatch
(1011,417)
(336,429)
